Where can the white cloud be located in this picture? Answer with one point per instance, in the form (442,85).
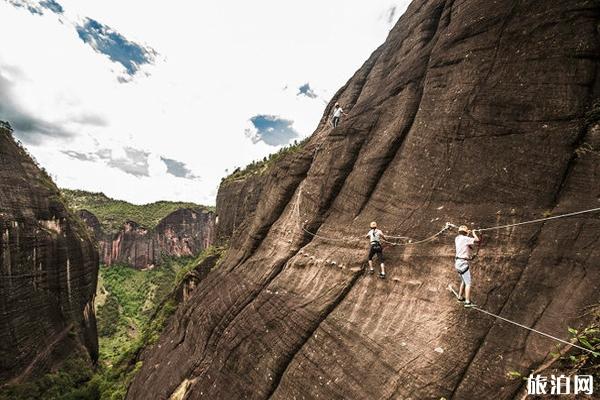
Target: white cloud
(219,64)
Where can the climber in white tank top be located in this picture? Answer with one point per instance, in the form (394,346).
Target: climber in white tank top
(463,243)
(375,236)
(337,114)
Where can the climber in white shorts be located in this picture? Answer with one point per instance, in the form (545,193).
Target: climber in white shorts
(375,236)
(463,243)
(337,114)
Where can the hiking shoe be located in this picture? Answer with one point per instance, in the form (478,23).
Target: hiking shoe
(461,299)
(371,271)
(469,304)
(382,276)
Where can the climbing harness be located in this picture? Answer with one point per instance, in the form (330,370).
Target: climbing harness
(464,271)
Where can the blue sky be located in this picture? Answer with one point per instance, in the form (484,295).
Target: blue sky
(145,101)
(272,129)
(106,41)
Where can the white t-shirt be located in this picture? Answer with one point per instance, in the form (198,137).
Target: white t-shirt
(463,243)
(374,235)
(338,112)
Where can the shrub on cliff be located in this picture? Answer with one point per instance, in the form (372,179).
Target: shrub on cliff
(260,166)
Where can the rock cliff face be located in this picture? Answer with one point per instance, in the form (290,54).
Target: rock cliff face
(236,202)
(472,112)
(48,272)
(184,232)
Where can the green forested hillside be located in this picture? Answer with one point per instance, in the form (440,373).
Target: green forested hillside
(132,309)
(112,213)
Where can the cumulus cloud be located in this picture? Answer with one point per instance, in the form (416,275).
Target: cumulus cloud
(31,6)
(26,125)
(52,6)
(90,119)
(391,14)
(271,129)
(79,156)
(128,159)
(306,90)
(38,7)
(178,168)
(134,162)
(219,64)
(106,41)
(391,18)
(100,37)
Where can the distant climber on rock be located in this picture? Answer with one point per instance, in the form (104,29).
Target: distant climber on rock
(375,236)
(463,243)
(337,114)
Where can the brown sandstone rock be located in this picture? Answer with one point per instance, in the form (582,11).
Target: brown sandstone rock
(236,202)
(472,112)
(48,272)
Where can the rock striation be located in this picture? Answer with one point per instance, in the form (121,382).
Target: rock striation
(472,112)
(48,272)
(185,232)
(236,202)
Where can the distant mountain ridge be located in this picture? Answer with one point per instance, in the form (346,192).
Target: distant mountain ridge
(113,213)
(140,236)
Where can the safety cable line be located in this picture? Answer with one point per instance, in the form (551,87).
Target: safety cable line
(447,226)
(595,353)
(397,237)
(429,239)
(325,237)
(538,220)
(450,225)
(348,238)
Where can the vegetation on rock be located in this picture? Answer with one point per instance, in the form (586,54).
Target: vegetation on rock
(133,307)
(112,213)
(260,166)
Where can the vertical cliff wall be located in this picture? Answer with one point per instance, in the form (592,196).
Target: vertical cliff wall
(185,232)
(48,271)
(472,111)
(236,202)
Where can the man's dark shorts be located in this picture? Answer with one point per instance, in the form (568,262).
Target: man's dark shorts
(376,249)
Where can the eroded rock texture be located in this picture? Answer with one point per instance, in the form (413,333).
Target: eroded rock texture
(185,232)
(236,202)
(471,112)
(48,272)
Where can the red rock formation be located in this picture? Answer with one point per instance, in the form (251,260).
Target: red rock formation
(185,232)
(48,272)
(471,112)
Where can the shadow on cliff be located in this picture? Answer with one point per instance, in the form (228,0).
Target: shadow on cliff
(472,112)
